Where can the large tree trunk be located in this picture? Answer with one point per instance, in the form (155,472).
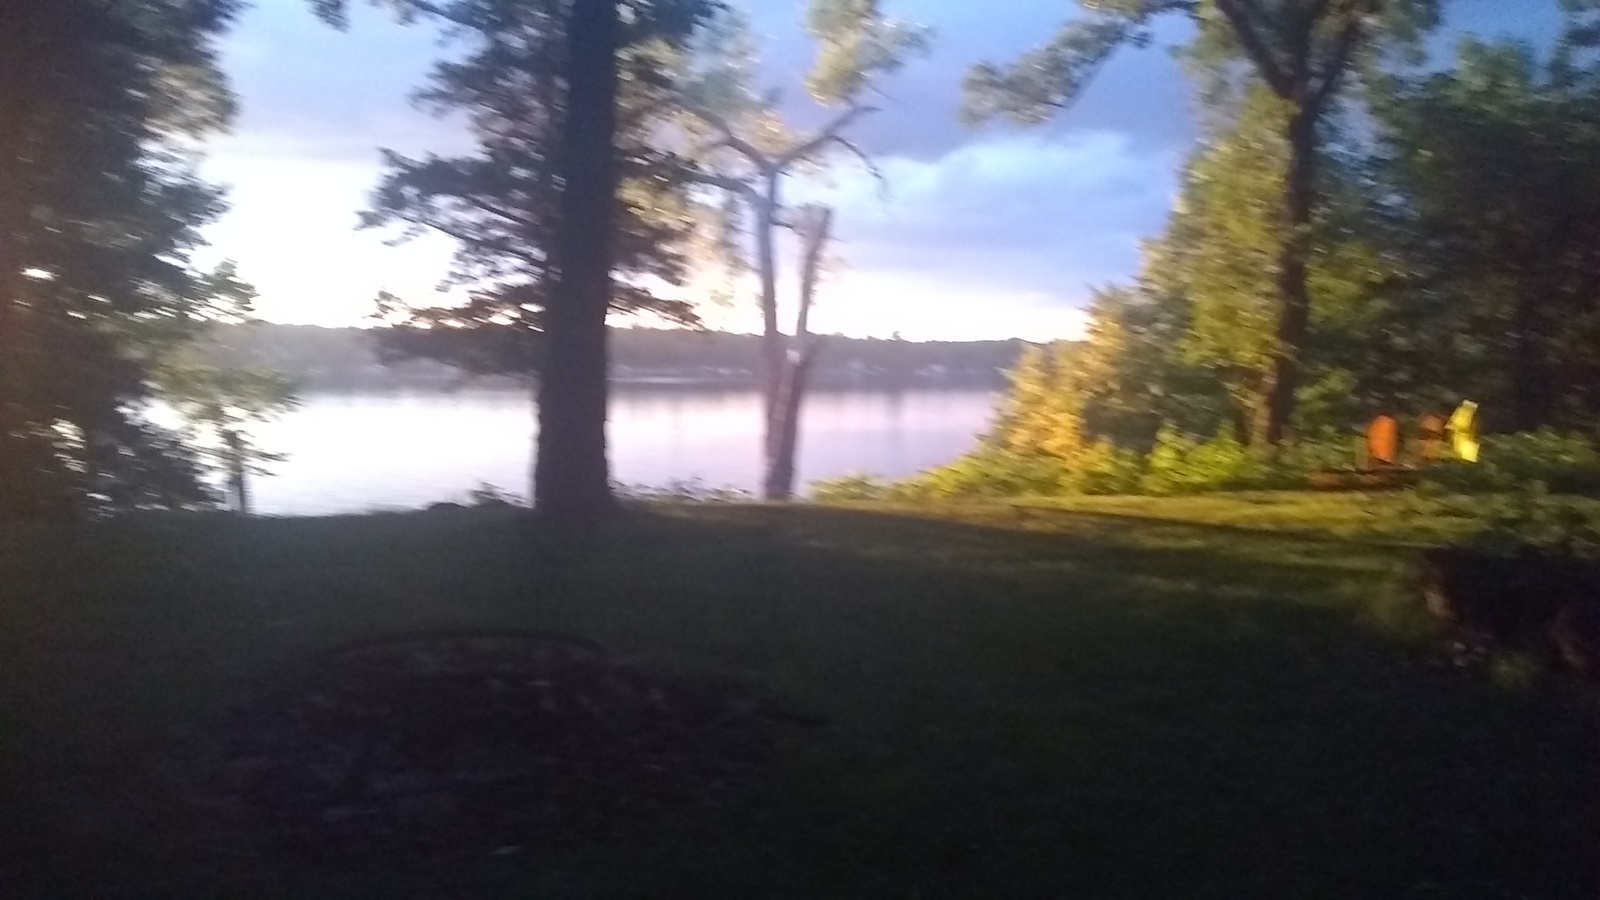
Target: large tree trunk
(814,231)
(1294,257)
(571,477)
(24,40)
(13,469)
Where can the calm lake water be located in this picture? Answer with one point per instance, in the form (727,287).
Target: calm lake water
(352,452)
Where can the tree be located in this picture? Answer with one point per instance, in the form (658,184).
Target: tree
(1186,347)
(1302,51)
(1042,412)
(218,403)
(1219,251)
(1492,165)
(99,213)
(748,154)
(572,479)
(508,207)
(814,225)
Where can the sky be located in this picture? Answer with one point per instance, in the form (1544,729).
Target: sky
(981,233)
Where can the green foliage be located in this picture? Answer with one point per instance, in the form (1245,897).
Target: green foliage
(1176,464)
(1534,519)
(745,151)
(1103,468)
(1179,464)
(851,489)
(1046,80)
(682,490)
(1227,230)
(218,402)
(856,45)
(1501,219)
(100,213)
(502,203)
(986,473)
(1273,70)
(1456,261)
(1560,461)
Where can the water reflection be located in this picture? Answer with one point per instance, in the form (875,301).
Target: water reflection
(359,451)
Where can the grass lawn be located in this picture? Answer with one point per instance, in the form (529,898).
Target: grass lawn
(1221,698)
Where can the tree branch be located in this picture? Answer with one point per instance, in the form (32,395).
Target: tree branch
(1242,15)
(1327,81)
(726,138)
(828,134)
(868,163)
(728,183)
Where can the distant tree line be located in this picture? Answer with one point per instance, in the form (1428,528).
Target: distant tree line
(316,358)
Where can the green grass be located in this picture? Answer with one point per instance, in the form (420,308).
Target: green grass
(1105,698)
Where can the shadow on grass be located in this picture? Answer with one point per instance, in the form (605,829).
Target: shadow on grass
(1083,706)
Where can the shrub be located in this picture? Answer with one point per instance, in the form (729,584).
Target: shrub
(1534,520)
(987,473)
(486,494)
(1565,463)
(1180,465)
(691,490)
(1104,469)
(851,489)
(1177,464)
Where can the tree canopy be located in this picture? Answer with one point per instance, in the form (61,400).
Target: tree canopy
(1302,53)
(1451,256)
(501,203)
(746,153)
(100,211)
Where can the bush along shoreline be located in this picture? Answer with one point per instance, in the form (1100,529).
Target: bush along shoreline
(1179,464)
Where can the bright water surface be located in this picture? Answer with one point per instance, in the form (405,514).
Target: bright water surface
(352,452)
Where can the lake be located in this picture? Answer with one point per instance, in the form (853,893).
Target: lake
(353,452)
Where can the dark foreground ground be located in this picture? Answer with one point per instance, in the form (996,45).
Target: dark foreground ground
(1209,699)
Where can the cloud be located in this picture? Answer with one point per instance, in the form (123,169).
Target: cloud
(308,90)
(1021,214)
(1004,238)
(1141,94)
(1015,224)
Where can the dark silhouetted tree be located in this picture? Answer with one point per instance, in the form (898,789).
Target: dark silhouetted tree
(99,212)
(565,213)
(218,402)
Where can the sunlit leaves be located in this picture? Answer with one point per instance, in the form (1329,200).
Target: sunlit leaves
(856,45)
(1045,81)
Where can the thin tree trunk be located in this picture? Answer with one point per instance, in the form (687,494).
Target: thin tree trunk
(773,345)
(572,478)
(1530,395)
(1294,314)
(1239,422)
(815,230)
(535,409)
(238,470)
